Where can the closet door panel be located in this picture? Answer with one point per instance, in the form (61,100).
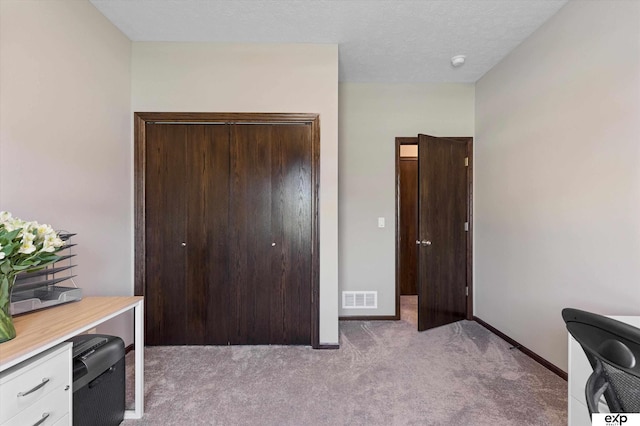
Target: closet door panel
(271,232)
(291,229)
(251,239)
(165,302)
(207,241)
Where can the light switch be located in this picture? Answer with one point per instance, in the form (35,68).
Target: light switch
(381,222)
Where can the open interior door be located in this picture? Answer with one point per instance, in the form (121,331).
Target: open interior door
(442,221)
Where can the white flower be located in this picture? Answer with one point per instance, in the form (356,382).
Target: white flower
(35,242)
(5,217)
(51,243)
(48,247)
(15,223)
(27,247)
(42,230)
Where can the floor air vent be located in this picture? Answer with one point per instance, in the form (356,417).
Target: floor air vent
(359,299)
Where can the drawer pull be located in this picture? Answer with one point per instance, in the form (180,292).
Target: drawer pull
(44,382)
(45,416)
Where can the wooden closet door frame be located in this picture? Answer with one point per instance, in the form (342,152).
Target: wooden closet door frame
(140,121)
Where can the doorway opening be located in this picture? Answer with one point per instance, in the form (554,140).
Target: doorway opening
(433,230)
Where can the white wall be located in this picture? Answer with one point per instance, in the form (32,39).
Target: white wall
(65,132)
(371,117)
(209,77)
(557,194)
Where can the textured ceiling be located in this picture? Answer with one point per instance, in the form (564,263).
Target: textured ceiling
(379,40)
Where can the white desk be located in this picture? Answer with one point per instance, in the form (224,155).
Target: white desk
(579,372)
(41,330)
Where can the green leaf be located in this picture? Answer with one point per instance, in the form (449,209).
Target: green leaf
(4,288)
(9,247)
(9,236)
(22,267)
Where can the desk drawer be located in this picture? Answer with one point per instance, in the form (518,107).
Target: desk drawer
(65,421)
(47,372)
(47,410)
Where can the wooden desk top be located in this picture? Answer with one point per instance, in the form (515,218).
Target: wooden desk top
(40,330)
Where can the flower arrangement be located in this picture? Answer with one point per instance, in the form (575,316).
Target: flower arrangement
(24,247)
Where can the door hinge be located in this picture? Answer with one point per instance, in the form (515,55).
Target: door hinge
(466,161)
(466,291)
(466,226)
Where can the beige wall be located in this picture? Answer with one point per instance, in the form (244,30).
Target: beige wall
(557,195)
(371,117)
(199,77)
(65,132)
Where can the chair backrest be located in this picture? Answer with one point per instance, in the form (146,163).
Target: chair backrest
(613,349)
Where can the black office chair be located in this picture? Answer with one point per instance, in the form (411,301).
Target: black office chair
(613,349)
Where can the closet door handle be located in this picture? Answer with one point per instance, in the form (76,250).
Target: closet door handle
(425,242)
(183,244)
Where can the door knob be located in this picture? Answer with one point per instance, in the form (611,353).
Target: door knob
(183,244)
(273,244)
(417,242)
(426,242)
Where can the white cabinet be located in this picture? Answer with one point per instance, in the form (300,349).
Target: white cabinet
(65,421)
(38,390)
(579,372)
(39,332)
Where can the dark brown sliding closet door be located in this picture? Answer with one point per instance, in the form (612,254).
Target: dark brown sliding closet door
(187,193)
(228,227)
(271,233)
(207,289)
(165,230)
(291,223)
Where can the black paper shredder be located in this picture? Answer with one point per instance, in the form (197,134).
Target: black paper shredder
(98,380)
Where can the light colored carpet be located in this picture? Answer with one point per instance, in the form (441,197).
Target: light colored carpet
(385,373)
